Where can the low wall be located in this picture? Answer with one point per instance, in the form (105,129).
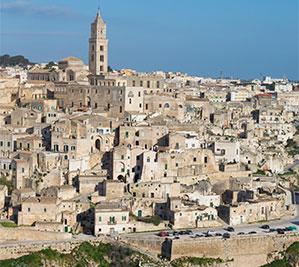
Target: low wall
(15,250)
(250,251)
(28,234)
(152,245)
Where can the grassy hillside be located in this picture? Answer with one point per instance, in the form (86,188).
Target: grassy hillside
(290,257)
(102,255)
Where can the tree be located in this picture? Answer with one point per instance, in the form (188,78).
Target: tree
(50,65)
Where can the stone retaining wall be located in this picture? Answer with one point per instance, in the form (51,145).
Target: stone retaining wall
(254,250)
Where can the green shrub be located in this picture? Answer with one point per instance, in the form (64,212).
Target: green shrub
(8,224)
(195,261)
(155,220)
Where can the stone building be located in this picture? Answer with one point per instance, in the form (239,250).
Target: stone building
(226,151)
(3,195)
(38,210)
(190,215)
(110,218)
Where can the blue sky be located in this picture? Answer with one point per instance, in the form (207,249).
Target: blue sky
(242,38)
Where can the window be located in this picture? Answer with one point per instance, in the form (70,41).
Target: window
(120,109)
(100,219)
(141,83)
(65,148)
(165,166)
(112,220)
(148,159)
(102,58)
(1,143)
(158,84)
(45,210)
(102,48)
(206,159)
(148,84)
(28,209)
(127,134)
(137,143)
(133,83)
(194,159)
(152,195)
(124,218)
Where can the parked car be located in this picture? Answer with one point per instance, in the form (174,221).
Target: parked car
(241,233)
(163,234)
(230,229)
(252,233)
(291,228)
(208,235)
(265,226)
(189,232)
(176,237)
(183,232)
(175,233)
(199,235)
(226,235)
(218,234)
(280,231)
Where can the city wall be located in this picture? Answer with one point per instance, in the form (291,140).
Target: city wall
(148,244)
(250,251)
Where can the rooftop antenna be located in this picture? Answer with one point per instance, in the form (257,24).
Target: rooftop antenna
(99,7)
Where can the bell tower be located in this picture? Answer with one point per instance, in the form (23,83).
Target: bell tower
(98,47)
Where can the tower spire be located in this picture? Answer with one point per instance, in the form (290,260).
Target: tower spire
(98,46)
(99,8)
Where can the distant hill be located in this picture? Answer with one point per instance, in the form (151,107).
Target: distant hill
(7,61)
